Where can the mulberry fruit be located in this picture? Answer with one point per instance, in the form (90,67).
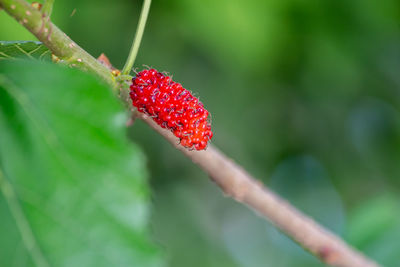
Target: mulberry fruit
(171,106)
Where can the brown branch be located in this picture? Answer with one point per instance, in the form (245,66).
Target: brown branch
(241,186)
(230,177)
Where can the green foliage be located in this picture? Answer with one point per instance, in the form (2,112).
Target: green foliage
(12,30)
(237,237)
(372,219)
(374,227)
(74,188)
(315,79)
(24,49)
(284,81)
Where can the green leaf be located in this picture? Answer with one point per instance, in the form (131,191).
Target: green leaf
(24,49)
(374,227)
(373,219)
(74,189)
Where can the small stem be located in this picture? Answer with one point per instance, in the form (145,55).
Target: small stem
(47,7)
(231,178)
(138,38)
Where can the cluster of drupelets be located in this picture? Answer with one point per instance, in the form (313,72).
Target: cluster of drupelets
(172,107)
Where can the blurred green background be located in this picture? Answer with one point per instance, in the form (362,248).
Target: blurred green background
(304,94)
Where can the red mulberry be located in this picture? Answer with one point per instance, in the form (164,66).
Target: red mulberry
(172,107)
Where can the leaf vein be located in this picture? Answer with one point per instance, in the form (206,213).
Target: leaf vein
(24,228)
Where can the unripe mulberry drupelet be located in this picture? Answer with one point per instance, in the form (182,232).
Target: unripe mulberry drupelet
(171,106)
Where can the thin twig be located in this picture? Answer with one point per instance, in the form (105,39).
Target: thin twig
(55,39)
(240,185)
(230,177)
